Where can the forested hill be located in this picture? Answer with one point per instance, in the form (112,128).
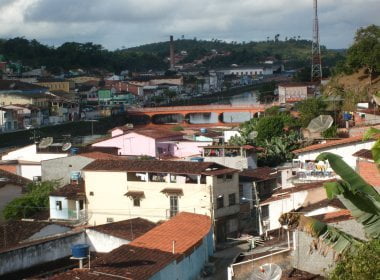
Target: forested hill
(294,51)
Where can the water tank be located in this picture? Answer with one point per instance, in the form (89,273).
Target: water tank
(203,130)
(80,250)
(74,151)
(197,159)
(75,175)
(347,116)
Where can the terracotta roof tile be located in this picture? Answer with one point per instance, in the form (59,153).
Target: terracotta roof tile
(98,155)
(329,144)
(160,166)
(285,193)
(148,254)
(186,229)
(8,177)
(158,133)
(364,153)
(127,229)
(70,191)
(334,217)
(258,174)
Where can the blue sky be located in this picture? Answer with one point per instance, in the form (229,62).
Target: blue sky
(127,23)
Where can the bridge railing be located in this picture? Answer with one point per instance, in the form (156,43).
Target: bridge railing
(200,107)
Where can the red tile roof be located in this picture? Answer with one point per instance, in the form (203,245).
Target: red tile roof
(98,155)
(364,153)
(127,229)
(258,174)
(334,143)
(285,193)
(149,253)
(160,166)
(334,217)
(186,229)
(157,133)
(11,178)
(70,191)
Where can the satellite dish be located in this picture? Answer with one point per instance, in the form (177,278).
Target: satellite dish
(66,146)
(45,142)
(268,271)
(376,98)
(253,135)
(320,123)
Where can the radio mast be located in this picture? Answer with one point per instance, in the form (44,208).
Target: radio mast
(316,63)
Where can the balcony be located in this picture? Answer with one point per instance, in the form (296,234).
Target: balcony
(74,215)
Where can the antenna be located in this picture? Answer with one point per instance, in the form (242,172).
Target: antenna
(316,62)
(45,142)
(66,146)
(320,123)
(268,271)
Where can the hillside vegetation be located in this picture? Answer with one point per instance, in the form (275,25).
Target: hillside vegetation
(89,56)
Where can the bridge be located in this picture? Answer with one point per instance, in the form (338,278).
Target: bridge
(217,114)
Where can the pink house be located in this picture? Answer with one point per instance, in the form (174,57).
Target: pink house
(154,142)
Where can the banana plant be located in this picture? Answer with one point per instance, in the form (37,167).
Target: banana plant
(357,195)
(374,133)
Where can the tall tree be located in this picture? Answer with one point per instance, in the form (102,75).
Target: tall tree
(365,51)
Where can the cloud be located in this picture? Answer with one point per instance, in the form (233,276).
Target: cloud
(116,23)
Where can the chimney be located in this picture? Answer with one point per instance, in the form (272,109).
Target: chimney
(172,62)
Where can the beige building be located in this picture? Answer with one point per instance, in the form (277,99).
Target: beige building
(157,190)
(56,84)
(294,92)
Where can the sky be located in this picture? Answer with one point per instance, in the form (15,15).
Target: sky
(127,23)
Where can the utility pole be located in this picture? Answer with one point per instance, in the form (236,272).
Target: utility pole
(316,62)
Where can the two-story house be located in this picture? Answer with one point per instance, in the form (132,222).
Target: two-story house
(157,190)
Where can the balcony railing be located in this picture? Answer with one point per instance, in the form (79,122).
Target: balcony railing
(77,215)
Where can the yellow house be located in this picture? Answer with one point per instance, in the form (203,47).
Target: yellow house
(56,84)
(157,190)
(13,92)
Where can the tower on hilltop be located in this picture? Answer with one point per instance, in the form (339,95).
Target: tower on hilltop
(316,62)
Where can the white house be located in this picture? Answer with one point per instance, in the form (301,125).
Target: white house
(29,158)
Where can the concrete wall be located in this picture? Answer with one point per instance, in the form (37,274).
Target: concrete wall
(61,168)
(243,270)
(29,153)
(315,262)
(55,213)
(109,200)
(28,256)
(103,243)
(7,194)
(29,170)
(345,151)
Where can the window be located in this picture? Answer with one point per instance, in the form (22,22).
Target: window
(92,193)
(220,202)
(265,212)
(58,205)
(229,176)
(81,204)
(109,220)
(136,202)
(232,199)
(173,205)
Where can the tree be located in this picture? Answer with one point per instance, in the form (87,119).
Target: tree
(365,52)
(35,200)
(362,264)
(310,109)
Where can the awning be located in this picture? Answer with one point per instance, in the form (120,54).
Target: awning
(135,194)
(172,191)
